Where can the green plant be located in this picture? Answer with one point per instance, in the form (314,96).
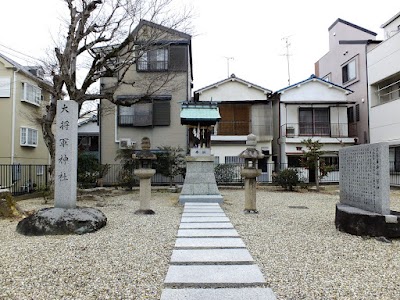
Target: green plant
(224,173)
(45,192)
(170,162)
(126,176)
(287,179)
(88,169)
(311,159)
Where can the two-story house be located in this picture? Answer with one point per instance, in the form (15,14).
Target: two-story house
(244,109)
(313,108)
(23,92)
(155,84)
(345,65)
(384,90)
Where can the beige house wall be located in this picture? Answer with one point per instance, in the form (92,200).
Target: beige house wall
(15,114)
(5,117)
(177,85)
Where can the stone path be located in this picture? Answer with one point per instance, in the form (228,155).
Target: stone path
(210,260)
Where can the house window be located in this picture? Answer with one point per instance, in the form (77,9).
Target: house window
(31,93)
(357,112)
(350,114)
(153,60)
(29,137)
(155,113)
(5,87)
(327,77)
(39,170)
(314,121)
(349,71)
(170,58)
(234,160)
(294,161)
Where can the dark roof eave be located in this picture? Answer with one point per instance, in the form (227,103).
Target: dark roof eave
(352,25)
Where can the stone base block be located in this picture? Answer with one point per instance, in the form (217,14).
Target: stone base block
(53,221)
(365,223)
(200,198)
(218,294)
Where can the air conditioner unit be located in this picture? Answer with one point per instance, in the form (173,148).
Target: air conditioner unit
(290,131)
(124,143)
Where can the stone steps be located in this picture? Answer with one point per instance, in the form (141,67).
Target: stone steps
(210,260)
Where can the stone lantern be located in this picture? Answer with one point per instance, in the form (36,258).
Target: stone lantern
(250,171)
(145,172)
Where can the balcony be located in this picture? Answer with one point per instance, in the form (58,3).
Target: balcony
(319,129)
(241,128)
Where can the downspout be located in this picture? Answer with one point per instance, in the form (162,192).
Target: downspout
(13,116)
(367,83)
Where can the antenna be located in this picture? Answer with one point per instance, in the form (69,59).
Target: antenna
(227,62)
(287,45)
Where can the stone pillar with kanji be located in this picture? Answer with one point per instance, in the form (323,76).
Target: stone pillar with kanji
(66,162)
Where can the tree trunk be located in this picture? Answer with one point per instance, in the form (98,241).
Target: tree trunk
(317,175)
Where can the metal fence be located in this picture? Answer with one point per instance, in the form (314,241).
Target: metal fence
(23,179)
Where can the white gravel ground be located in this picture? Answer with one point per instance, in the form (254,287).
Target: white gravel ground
(299,251)
(303,256)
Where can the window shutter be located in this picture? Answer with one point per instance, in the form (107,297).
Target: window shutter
(5,87)
(142,114)
(178,58)
(161,113)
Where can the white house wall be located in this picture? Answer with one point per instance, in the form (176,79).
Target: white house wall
(383,62)
(385,123)
(313,91)
(232,91)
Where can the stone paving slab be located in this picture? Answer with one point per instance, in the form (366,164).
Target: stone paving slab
(207,233)
(204,219)
(218,294)
(211,256)
(195,204)
(209,243)
(203,214)
(200,210)
(219,225)
(214,276)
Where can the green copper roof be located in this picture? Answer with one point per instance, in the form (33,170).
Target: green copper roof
(200,113)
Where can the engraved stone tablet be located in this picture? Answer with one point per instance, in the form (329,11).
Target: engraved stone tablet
(364,177)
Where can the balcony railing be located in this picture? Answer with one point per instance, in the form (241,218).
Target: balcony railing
(241,128)
(322,129)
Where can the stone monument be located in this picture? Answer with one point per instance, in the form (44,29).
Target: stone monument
(364,207)
(145,172)
(250,171)
(65,217)
(200,184)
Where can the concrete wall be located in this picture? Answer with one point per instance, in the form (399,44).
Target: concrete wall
(339,54)
(384,62)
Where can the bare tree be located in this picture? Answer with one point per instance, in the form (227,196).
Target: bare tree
(101,39)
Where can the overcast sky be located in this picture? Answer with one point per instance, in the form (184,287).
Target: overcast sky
(249,32)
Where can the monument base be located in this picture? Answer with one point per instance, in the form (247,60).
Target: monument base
(200,198)
(361,222)
(200,184)
(55,221)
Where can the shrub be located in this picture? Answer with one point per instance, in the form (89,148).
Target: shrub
(287,179)
(224,173)
(88,169)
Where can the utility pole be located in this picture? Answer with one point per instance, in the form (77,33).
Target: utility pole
(227,62)
(287,45)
